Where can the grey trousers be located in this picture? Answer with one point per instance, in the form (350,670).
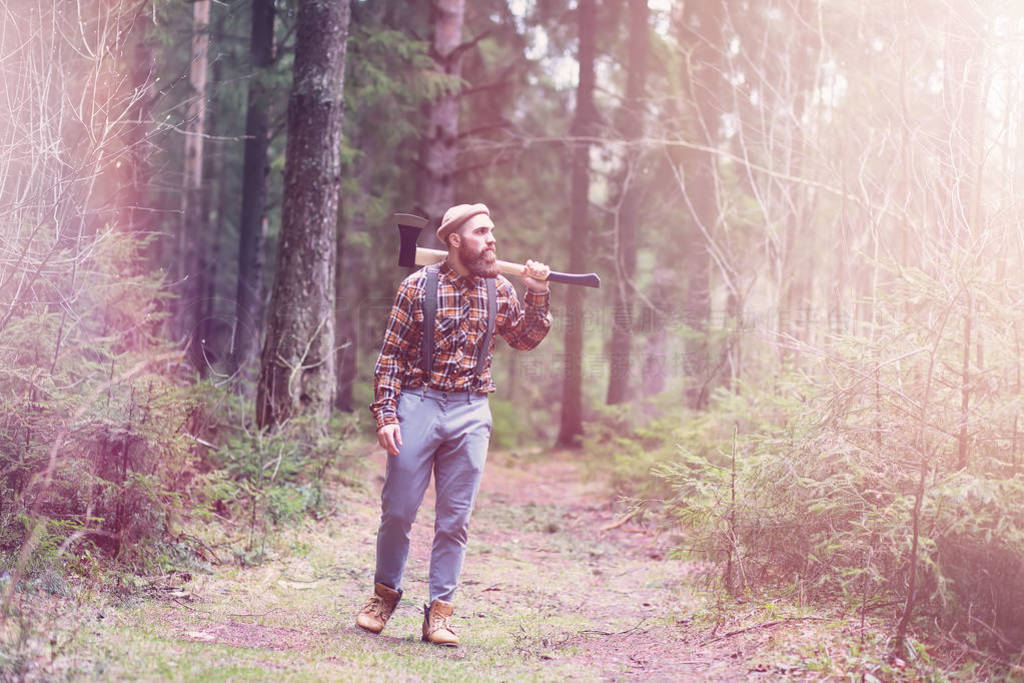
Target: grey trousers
(446,433)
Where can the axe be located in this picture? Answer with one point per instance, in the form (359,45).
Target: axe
(409,255)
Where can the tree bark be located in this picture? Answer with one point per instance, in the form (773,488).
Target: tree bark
(964,103)
(656,363)
(192,233)
(702,31)
(915,537)
(349,292)
(439,142)
(297,363)
(963,441)
(632,128)
(252,227)
(571,429)
(798,262)
(135,207)
(963,100)
(208,338)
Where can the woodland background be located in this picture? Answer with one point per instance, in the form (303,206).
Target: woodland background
(806,353)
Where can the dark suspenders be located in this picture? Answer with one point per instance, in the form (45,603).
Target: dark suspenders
(492,309)
(430,312)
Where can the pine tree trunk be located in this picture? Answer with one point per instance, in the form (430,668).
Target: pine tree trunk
(632,127)
(798,247)
(1016,439)
(964,104)
(210,338)
(135,207)
(571,430)
(255,169)
(963,440)
(192,234)
(438,145)
(656,366)
(349,293)
(913,560)
(297,363)
(701,30)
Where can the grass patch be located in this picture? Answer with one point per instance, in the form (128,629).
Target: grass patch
(546,595)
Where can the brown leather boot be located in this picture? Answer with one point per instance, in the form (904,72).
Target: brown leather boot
(379,609)
(437,624)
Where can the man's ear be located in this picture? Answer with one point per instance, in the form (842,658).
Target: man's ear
(454,240)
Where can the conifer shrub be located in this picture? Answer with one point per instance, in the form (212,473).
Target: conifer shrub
(825,506)
(880,469)
(93,439)
(94,434)
(253,480)
(619,440)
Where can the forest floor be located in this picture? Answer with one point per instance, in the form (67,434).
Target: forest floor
(555,586)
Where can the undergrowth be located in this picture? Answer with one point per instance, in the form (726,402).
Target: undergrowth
(117,464)
(777,497)
(252,481)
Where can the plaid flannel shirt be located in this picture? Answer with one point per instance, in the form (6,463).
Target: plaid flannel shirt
(459,328)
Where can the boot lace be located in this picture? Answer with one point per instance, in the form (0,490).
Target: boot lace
(375,606)
(441,622)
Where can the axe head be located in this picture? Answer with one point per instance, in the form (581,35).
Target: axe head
(409,226)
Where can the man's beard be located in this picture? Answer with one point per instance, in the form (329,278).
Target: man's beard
(483,263)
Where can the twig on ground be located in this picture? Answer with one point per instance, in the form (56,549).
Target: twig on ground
(203,549)
(615,525)
(756,627)
(1002,638)
(176,601)
(202,442)
(616,633)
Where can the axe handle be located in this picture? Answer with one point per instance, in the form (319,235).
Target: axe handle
(428,257)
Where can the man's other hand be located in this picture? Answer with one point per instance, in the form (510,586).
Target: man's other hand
(390,438)
(535,275)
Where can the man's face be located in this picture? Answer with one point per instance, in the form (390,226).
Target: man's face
(477,250)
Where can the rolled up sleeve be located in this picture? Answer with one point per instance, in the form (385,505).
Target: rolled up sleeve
(525,326)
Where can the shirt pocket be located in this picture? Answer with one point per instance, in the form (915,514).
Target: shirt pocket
(449,336)
(477,330)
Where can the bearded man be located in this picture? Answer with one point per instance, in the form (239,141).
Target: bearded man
(431,384)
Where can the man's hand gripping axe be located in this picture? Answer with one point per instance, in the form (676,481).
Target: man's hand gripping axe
(410,255)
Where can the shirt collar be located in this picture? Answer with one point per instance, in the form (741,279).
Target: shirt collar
(462,281)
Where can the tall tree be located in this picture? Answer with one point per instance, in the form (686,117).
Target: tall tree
(796,268)
(389,76)
(583,127)
(255,169)
(297,363)
(701,34)
(631,127)
(192,234)
(439,140)
(207,337)
(348,289)
(964,220)
(135,207)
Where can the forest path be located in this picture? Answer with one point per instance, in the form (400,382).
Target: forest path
(549,592)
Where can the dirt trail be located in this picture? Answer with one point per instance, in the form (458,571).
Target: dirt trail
(592,562)
(549,592)
(596,595)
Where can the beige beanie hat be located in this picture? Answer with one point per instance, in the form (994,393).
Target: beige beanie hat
(456,217)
